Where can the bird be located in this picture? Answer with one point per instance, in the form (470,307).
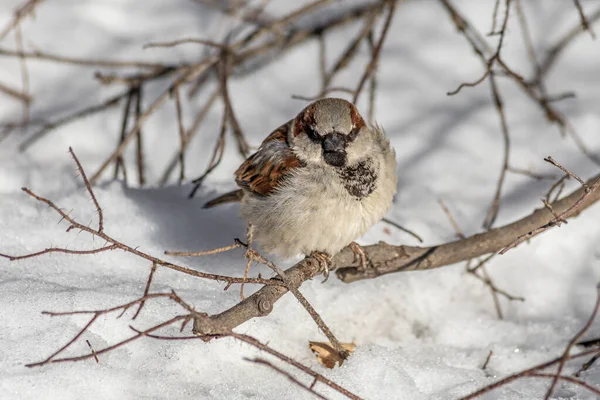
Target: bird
(317,183)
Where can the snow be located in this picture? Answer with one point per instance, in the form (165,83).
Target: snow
(419,335)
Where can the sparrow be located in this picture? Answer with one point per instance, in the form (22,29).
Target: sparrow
(316,183)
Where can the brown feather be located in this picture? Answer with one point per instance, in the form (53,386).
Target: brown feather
(357,120)
(265,169)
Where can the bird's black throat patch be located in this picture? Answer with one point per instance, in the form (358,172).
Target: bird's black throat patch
(359,179)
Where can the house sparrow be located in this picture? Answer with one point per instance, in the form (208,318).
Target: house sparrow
(317,183)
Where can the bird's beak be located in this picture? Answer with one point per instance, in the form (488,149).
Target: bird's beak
(334,149)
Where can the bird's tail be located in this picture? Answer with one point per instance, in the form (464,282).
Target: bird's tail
(231,197)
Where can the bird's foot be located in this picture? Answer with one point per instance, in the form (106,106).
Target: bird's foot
(360,255)
(324,261)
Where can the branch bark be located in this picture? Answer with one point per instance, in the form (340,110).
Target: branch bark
(260,304)
(387,259)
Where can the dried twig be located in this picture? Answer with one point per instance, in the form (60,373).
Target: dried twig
(217,154)
(389,259)
(113,244)
(120,162)
(146,290)
(26,9)
(90,191)
(575,339)
(85,112)
(24,77)
(15,93)
(402,228)
(139,149)
(185,41)
(536,371)
(291,286)
(489,63)
(552,54)
(531,174)
(584,22)
(376,51)
(150,333)
(487,360)
(485,278)
(317,377)
(189,135)
(95,315)
(182,135)
(295,381)
(93,351)
(39,55)
(561,217)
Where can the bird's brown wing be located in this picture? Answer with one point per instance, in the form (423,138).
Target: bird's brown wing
(263,171)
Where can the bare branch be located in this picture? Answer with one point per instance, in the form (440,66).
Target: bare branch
(388,259)
(584,22)
(28,8)
(536,371)
(39,55)
(117,244)
(376,51)
(89,190)
(575,339)
(287,375)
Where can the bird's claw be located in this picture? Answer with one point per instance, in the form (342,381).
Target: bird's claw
(324,261)
(359,255)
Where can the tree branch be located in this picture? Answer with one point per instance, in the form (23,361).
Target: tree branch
(387,259)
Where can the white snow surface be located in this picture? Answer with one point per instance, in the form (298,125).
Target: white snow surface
(419,335)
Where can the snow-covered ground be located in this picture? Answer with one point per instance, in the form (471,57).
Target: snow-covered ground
(419,335)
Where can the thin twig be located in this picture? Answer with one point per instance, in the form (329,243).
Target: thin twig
(584,22)
(85,112)
(24,77)
(558,217)
(494,18)
(139,148)
(376,51)
(185,41)
(252,341)
(181,135)
(28,8)
(217,154)
(453,222)
(575,339)
(189,136)
(120,245)
(146,290)
(286,374)
(236,245)
(59,250)
(487,360)
(495,206)
(39,55)
(93,351)
(15,93)
(293,287)
(89,190)
(403,229)
(536,371)
(120,161)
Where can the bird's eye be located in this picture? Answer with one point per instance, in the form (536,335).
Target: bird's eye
(353,134)
(312,134)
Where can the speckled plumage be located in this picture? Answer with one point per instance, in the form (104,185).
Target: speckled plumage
(297,202)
